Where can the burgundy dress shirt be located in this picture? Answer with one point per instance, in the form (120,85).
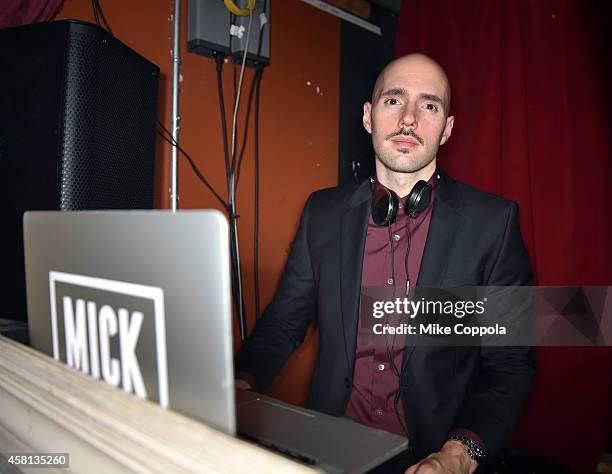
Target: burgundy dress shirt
(378,358)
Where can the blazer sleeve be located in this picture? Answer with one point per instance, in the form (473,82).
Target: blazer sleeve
(506,373)
(283,324)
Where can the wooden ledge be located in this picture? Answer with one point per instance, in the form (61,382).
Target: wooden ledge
(49,407)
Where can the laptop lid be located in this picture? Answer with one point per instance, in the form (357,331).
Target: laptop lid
(138,299)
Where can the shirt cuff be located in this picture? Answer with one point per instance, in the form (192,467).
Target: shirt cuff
(473,436)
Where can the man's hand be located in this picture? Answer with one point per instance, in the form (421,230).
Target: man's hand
(453,458)
(242,384)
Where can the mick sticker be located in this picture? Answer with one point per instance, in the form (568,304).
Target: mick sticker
(111,330)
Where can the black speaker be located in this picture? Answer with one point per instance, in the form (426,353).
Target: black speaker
(77,131)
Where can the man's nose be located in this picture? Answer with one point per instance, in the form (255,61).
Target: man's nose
(408,118)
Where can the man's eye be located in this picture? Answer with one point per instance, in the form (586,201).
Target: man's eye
(431,107)
(392,101)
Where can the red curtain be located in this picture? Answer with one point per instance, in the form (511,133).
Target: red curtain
(22,12)
(530,94)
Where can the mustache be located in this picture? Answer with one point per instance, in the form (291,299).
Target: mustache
(407,133)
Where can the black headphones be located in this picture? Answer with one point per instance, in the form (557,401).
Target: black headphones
(386,203)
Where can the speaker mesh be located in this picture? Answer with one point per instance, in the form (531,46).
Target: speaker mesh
(105,139)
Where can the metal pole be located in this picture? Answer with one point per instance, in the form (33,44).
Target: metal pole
(176,67)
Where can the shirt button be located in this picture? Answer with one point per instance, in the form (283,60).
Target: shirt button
(396,237)
(390,281)
(381,367)
(379,412)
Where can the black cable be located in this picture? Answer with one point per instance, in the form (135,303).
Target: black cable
(259,74)
(219,61)
(390,349)
(237,302)
(98,13)
(246,126)
(409,238)
(95,12)
(392,255)
(103,17)
(194,167)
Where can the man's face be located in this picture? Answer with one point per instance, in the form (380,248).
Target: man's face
(408,115)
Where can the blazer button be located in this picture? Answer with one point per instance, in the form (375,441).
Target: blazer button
(347,382)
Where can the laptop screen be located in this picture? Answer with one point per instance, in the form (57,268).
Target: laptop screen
(138,299)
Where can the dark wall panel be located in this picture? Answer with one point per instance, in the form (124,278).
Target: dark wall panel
(363,55)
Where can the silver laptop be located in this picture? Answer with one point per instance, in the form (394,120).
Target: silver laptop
(141,300)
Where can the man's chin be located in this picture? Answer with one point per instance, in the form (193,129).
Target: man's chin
(404,167)
(406,151)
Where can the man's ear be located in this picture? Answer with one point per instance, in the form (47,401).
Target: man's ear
(448,129)
(367,117)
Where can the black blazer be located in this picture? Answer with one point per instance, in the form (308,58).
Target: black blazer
(473,239)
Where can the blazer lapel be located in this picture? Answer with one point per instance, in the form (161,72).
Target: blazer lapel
(353,229)
(445,220)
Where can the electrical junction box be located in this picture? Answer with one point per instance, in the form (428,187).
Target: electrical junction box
(209,27)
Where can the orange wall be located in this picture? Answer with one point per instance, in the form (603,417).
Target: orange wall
(299,132)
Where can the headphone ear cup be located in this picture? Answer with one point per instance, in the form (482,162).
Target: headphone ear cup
(419,198)
(385,204)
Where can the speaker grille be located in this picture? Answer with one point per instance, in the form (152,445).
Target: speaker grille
(108,128)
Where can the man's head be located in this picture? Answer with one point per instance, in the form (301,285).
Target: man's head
(408,116)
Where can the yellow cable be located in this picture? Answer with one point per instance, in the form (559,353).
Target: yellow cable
(240,11)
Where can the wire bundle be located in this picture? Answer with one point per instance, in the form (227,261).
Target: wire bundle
(98,13)
(236,161)
(233,160)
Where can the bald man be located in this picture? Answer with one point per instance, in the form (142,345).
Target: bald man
(411,225)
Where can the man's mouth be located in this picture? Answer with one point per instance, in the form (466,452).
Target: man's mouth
(406,140)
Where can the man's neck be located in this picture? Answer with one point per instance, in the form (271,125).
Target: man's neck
(402,183)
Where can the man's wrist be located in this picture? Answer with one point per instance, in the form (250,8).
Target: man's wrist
(470,447)
(460,450)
